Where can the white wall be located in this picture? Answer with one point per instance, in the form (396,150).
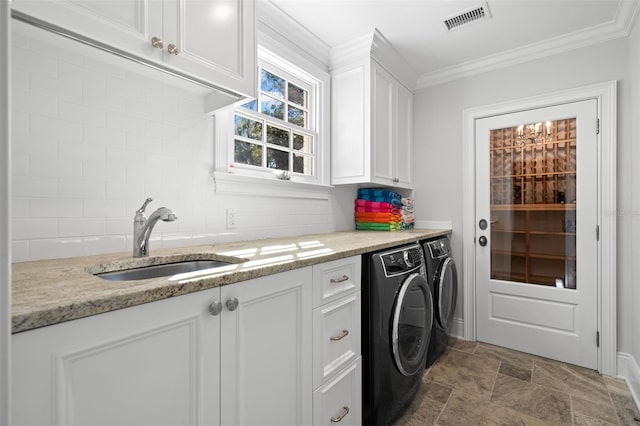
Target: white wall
(438,147)
(94,136)
(634,213)
(5,258)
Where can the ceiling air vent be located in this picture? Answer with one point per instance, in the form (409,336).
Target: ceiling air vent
(469,16)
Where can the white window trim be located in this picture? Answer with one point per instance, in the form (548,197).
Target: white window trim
(240,180)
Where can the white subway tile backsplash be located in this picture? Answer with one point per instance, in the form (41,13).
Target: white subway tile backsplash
(61,89)
(48,126)
(95,136)
(99,171)
(31,103)
(28,229)
(19,207)
(55,208)
(94,139)
(83,75)
(19,163)
(81,150)
(126,191)
(82,189)
(104,208)
(121,86)
(78,113)
(55,168)
(118,120)
(120,225)
(104,244)
(79,227)
(20,251)
(28,186)
(102,100)
(55,248)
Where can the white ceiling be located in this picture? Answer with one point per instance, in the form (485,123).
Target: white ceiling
(517,30)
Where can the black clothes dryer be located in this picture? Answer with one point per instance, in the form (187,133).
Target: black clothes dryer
(397,315)
(443,282)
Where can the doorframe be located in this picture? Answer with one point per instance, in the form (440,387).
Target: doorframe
(605,94)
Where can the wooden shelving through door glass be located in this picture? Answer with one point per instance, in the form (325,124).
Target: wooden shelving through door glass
(533,205)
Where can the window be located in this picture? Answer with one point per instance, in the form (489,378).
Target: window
(277,132)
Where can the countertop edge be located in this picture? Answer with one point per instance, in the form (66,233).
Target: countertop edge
(44,313)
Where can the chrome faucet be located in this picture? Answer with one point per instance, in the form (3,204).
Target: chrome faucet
(142,227)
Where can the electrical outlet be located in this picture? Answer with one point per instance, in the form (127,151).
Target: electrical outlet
(231,218)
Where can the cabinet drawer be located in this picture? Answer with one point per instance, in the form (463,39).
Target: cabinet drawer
(336,336)
(339,401)
(332,280)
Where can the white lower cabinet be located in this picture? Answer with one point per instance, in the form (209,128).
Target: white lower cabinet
(172,362)
(337,361)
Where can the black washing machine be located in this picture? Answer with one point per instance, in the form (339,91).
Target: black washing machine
(397,316)
(443,282)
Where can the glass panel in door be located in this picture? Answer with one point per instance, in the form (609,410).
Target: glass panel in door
(533,203)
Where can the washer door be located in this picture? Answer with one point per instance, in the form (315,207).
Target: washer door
(446,289)
(411,324)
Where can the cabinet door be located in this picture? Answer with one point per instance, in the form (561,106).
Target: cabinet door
(215,40)
(383,135)
(153,364)
(126,24)
(404,134)
(266,351)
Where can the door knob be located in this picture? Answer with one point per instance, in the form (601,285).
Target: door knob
(172,49)
(232,304)
(482,241)
(157,42)
(215,308)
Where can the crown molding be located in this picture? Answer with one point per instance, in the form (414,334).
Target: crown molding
(277,24)
(620,26)
(374,45)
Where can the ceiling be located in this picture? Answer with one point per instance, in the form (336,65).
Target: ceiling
(517,30)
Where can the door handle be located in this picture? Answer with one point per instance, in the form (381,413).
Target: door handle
(482,240)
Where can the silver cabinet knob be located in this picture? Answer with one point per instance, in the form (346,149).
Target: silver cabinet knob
(172,49)
(232,304)
(157,42)
(215,308)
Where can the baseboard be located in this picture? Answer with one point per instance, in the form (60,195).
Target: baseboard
(629,370)
(457,328)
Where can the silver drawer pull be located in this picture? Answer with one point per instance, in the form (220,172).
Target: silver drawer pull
(340,336)
(343,413)
(340,280)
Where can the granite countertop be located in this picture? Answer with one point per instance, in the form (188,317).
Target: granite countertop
(48,292)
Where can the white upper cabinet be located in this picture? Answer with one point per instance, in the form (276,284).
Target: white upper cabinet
(372,114)
(212,40)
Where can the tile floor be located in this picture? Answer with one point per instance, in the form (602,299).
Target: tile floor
(480,384)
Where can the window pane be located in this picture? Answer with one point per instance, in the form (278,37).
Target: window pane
(302,143)
(272,84)
(272,107)
(277,159)
(278,136)
(247,153)
(252,105)
(297,116)
(248,128)
(297,95)
(303,164)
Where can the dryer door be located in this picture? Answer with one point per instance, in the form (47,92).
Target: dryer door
(446,289)
(411,324)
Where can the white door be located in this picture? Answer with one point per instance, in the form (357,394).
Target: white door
(536,232)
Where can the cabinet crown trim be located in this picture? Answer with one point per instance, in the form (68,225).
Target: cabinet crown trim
(375,46)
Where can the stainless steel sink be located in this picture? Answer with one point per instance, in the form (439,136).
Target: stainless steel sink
(165,270)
